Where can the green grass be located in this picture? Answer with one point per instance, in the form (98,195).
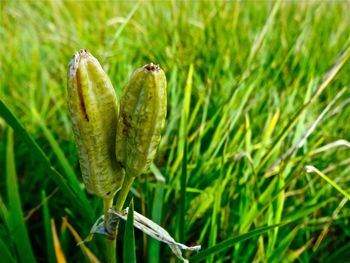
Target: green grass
(257,92)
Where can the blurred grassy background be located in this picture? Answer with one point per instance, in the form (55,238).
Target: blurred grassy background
(242,79)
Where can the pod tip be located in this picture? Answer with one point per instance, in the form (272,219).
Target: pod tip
(151,67)
(73,64)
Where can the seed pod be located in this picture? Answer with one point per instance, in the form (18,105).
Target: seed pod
(93,108)
(141,120)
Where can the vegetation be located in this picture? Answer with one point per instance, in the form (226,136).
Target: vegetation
(254,160)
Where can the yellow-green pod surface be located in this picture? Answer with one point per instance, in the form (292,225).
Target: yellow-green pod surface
(93,108)
(141,120)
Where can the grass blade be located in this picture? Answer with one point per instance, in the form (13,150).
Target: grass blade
(121,28)
(183,196)
(307,210)
(58,248)
(4,213)
(311,169)
(279,251)
(90,257)
(65,165)
(185,114)
(340,255)
(183,150)
(262,35)
(80,204)
(222,246)
(16,219)
(325,82)
(157,211)
(129,252)
(48,233)
(5,252)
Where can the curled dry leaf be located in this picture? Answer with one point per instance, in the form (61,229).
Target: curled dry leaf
(145,225)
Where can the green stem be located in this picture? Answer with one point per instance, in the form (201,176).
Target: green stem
(110,244)
(108,203)
(111,250)
(123,194)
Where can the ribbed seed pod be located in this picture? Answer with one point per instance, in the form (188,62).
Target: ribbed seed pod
(93,108)
(141,120)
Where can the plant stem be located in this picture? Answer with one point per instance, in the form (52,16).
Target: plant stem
(123,194)
(110,244)
(108,203)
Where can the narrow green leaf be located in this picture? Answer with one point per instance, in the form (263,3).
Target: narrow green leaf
(47,227)
(182,150)
(222,246)
(310,168)
(276,208)
(16,219)
(340,255)
(121,28)
(306,210)
(36,151)
(63,162)
(283,246)
(268,26)
(154,245)
(4,213)
(129,252)
(241,94)
(183,196)
(185,114)
(264,198)
(5,253)
(328,77)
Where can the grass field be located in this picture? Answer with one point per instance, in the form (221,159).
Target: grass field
(257,133)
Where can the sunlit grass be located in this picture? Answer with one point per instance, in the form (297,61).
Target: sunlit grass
(247,82)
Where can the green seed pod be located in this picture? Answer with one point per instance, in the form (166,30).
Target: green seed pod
(93,108)
(142,118)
